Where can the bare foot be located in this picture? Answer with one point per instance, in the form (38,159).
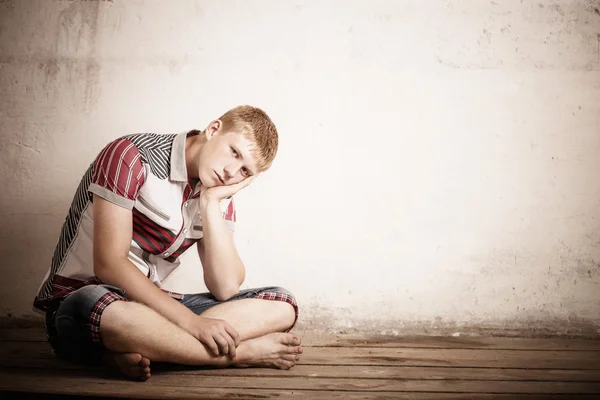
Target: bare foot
(132,365)
(276,350)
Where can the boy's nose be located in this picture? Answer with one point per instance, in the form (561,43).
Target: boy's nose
(230,172)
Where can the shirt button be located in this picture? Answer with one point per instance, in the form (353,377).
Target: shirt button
(185,204)
(185,230)
(166,254)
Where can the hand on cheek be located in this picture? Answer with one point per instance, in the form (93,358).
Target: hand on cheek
(219,193)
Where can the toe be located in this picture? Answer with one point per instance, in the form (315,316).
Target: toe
(143,374)
(291,340)
(294,350)
(144,362)
(132,358)
(288,357)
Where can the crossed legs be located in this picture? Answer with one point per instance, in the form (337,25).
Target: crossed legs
(135,335)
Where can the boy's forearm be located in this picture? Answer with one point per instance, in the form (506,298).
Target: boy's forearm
(224,271)
(123,274)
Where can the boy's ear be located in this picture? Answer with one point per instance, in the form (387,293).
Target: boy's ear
(213,128)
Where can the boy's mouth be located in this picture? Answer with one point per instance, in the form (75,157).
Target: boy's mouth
(219,178)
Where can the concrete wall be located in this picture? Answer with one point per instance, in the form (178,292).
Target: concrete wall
(438,167)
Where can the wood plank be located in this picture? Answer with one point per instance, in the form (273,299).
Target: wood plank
(135,392)
(441,342)
(22,335)
(380,385)
(395,356)
(341,367)
(452,358)
(464,342)
(334,371)
(11,380)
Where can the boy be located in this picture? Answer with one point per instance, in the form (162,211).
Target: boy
(144,201)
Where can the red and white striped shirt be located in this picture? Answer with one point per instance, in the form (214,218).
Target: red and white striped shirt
(145,173)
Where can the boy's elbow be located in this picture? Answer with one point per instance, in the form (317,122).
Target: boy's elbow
(101,271)
(105,269)
(225,293)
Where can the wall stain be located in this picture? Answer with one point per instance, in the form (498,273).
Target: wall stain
(50,69)
(568,263)
(77,33)
(557,8)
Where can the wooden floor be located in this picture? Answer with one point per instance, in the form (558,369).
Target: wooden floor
(334,367)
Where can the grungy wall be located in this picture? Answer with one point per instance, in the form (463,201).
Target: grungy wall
(438,164)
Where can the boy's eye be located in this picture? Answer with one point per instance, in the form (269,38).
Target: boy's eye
(245,171)
(235,153)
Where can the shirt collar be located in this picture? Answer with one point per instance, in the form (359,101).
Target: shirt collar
(178,167)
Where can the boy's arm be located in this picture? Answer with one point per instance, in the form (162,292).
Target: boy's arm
(224,270)
(113,230)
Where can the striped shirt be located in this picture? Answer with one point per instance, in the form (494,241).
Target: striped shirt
(145,173)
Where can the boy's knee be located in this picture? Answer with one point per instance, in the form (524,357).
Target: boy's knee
(86,306)
(78,305)
(73,328)
(281,294)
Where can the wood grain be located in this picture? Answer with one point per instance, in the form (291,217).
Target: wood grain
(334,367)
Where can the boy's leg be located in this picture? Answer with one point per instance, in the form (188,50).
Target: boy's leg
(74,336)
(253,318)
(253,312)
(93,315)
(129,327)
(259,316)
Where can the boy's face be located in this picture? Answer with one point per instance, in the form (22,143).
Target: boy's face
(225,158)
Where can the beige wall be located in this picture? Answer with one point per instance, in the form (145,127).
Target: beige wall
(438,168)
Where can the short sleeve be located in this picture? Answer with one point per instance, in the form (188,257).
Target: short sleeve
(118,173)
(229,215)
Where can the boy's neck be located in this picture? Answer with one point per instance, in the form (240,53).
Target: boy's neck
(193,145)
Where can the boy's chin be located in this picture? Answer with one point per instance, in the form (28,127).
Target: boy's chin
(210,185)
(209,182)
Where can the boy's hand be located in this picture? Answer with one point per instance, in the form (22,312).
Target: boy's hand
(217,335)
(219,193)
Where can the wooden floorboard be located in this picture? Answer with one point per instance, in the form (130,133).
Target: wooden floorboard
(343,371)
(161,382)
(543,359)
(463,342)
(332,367)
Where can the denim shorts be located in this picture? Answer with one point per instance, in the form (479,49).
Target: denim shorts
(73,322)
